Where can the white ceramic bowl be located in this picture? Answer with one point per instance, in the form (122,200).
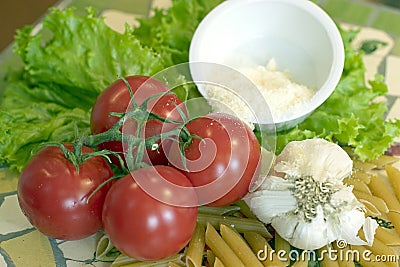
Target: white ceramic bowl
(298,34)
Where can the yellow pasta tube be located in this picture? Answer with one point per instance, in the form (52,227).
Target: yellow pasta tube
(394,218)
(345,258)
(380,189)
(218,263)
(387,237)
(301,262)
(195,249)
(239,246)
(385,253)
(263,250)
(358,185)
(366,258)
(378,202)
(384,160)
(174,264)
(221,250)
(282,245)
(394,178)
(362,176)
(326,260)
(210,257)
(363,165)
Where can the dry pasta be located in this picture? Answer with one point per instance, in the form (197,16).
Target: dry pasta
(218,263)
(239,246)
(394,217)
(259,244)
(326,260)
(301,262)
(125,261)
(282,245)
(362,176)
(195,249)
(370,260)
(221,248)
(388,237)
(358,185)
(363,165)
(174,264)
(383,160)
(378,202)
(393,175)
(380,189)
(210,257)
(380,249)
(345,256)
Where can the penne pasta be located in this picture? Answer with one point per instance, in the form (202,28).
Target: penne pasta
(394,178)
(240,224)
(357,185)
(263,250)
(370,209)
(378,202)
(301,262)
(210,257)
(388,237)
(383,160)
(239,246)
(220,248)
(363,165)
(379,249)
(345,257)
(366,258)
(218,263)
(195,249)
(362,176)
(126,261)
(394,218)
(380,189)
(219,210)
(104,248)
(282,245)
(325,258)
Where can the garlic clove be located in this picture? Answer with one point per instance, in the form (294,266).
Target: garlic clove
(270,204)
(304,235)
(315,157)
(351,222)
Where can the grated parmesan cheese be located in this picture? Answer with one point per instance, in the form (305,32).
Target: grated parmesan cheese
(283,96)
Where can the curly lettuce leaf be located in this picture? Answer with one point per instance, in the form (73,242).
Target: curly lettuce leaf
(66,64)
(352,115)
(81,54)
(170,31)
(27,122)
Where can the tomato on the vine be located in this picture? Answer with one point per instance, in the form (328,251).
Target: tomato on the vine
(151,213)
(222,163)
(116,98)
(55,198)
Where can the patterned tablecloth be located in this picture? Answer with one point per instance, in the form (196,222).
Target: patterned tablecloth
(22,245)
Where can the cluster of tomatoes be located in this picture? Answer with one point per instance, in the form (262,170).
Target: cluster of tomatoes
(150,211)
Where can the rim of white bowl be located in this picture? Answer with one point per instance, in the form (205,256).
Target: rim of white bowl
(314,10)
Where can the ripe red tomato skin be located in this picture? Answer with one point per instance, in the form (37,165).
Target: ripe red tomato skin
(54,197)
(141,226)
(227,153)
(116,98)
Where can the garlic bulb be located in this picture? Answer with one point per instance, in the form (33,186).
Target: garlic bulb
(306,201)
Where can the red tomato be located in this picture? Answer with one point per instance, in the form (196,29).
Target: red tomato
(223,163)
(116,98)
(151,213)
(54,197)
